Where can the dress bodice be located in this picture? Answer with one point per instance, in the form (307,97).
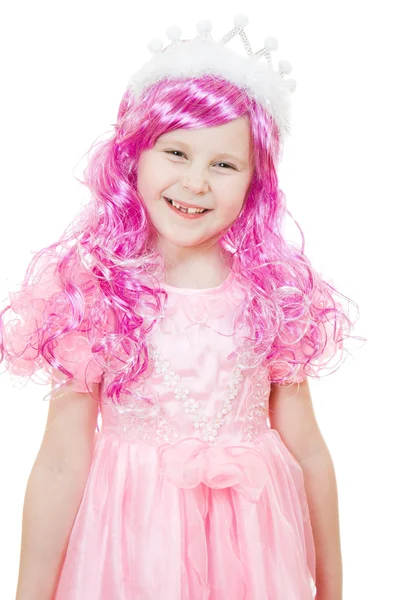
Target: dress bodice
(172,492)
(200,383)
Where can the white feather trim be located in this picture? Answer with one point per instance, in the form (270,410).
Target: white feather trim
(204,26)
(240,21)
(198,56)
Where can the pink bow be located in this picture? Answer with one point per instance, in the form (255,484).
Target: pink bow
(191,461)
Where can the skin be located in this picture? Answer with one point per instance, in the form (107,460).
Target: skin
(195,166)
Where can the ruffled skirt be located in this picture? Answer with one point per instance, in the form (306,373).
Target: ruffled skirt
(207,532)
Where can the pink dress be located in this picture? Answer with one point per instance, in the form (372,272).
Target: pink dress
(193,497)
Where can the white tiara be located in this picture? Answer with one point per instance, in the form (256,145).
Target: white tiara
(203,55)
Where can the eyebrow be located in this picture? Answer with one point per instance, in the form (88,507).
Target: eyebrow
(235,158)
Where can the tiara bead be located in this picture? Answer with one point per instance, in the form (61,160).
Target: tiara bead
(285,66)
(291,84)
(204,26)
(174,33)
(155,45)
(240,21)
(270,44)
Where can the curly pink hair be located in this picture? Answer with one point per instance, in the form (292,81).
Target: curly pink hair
(88,301)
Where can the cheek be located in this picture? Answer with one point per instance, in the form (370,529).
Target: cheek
(152,180)
(231,202)
(146,184)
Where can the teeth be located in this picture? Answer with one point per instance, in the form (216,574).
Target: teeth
(190,211)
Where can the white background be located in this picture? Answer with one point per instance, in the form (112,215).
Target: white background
(64,69)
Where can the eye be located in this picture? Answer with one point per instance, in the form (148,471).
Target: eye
(172,152)
(227,165)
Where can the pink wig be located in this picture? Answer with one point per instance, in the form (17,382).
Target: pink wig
(88,301)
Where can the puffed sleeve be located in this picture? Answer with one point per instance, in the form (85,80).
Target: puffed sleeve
(34,329)
(311,356)
(75,354)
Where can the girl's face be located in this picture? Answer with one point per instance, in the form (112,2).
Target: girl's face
(202,168)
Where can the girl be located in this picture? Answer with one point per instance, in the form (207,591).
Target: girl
(173,318)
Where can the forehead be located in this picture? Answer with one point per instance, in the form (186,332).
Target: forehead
(232,137)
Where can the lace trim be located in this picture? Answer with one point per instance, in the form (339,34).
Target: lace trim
(257,407)
(140,421)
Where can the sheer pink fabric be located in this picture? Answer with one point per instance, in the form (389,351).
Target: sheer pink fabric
(167,513)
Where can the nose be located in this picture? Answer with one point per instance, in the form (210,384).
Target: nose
(195,181)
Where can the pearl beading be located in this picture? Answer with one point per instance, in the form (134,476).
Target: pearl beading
(257,406)
(153,423)
(209,426)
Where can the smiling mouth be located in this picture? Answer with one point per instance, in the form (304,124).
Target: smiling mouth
(184,209)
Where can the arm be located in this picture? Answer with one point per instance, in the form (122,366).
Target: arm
(54,491)
(292,415)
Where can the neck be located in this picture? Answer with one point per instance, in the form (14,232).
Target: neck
(195,267)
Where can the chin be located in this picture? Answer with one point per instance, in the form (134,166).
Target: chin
(179,242)
(183,239)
